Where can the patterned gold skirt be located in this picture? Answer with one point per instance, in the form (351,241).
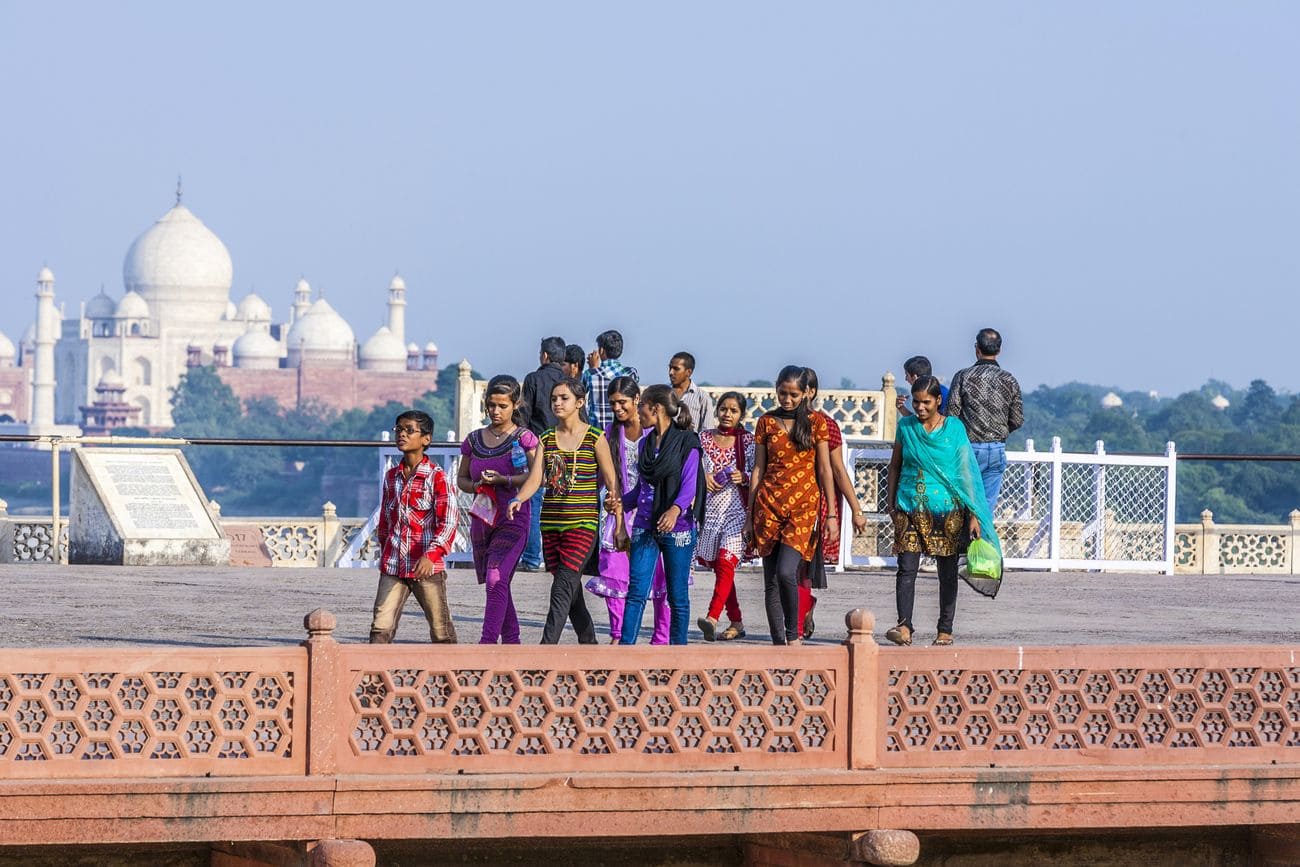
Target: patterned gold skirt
(922,532)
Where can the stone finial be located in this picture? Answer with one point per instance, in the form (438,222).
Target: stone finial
(888,847)
(465,370)
(1207,517)
(215,507)
(860,622)
(887,381)
(4,508)
(1295,518)
(320,623)
(329,510)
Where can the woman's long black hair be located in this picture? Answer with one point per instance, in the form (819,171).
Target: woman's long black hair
(801,431)
(664,396)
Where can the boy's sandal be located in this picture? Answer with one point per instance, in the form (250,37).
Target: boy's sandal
(943,639)
(900,635)
(731,633)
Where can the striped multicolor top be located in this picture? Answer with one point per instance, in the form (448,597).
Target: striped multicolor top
(572,498)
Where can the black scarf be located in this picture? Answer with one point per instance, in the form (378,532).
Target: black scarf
(787,414)
(660,463)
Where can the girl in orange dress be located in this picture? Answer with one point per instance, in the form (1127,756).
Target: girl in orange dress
(792,473)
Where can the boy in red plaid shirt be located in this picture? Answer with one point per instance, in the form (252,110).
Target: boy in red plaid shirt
(417,525)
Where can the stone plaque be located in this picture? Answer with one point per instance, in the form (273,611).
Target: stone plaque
(140,507)
(247,547)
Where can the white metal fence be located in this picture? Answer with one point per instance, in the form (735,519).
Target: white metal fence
(1057,510)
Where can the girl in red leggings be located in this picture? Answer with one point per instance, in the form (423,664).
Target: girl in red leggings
(728,463)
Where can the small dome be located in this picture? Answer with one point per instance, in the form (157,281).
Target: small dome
(383,351)
(132,306)
(430,348)
(302,287)
(1220,402)
(45,276)
(256,348)
(320,335)
(110,380)
(397,283)
(101,307)
(253,309)
(7,350)
(1112,400)
(232,312)
(412,349)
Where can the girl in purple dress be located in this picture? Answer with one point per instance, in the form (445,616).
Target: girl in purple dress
(624,436)
(496,462)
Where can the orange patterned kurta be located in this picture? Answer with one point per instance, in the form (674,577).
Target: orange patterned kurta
(785,510)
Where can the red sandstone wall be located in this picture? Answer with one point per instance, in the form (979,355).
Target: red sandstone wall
(341,388)
(14,381)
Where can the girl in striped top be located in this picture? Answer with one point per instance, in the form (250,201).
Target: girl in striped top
(576,455)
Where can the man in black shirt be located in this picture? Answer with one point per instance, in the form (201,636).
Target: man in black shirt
(535,408)
(987,400)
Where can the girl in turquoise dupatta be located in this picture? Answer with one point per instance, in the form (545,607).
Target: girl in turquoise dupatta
(937,504)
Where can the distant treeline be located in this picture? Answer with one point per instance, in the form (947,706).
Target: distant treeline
(1257,420)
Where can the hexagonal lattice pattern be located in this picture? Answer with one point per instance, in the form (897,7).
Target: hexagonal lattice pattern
(99,719)
(431,714)
(1047,711)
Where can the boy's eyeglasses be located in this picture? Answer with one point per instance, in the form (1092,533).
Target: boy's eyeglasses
(415,431)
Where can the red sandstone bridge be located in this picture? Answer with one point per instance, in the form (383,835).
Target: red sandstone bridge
(832,754)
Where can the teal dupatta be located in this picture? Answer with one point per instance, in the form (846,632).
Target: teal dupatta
(945,456)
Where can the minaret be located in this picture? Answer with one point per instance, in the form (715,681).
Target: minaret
(301,300)
(397,307)
(47,332)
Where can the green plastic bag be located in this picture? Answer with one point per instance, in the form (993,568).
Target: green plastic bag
(983,568)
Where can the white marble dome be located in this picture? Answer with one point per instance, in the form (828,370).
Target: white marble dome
(181,268)
(397,283)
(101,307)
(1220,402)
(321,335)
(430,348)
(256,349)
(1112,400)
(111,380)
(45,276)
(7,350)
(132,306)
(383,351)
(253,309)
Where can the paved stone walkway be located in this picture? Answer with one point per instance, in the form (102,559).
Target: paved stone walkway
(99,606)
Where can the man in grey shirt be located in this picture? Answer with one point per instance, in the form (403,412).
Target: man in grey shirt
(681,369)
(987,400)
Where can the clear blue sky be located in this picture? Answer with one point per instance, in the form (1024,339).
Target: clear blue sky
(1114,185)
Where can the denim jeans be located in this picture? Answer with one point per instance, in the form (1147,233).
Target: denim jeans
(532,556)
(678,550)
(992,460)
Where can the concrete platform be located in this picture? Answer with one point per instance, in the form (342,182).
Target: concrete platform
(111,606)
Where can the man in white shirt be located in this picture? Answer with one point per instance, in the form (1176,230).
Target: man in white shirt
(681,369)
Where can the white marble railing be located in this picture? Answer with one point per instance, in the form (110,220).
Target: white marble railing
(862,414)
(1208,548)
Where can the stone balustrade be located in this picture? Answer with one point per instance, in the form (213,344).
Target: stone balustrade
(331,708)
(263,750)
(1208,548)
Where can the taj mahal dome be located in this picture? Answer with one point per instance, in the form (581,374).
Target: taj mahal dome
(116,361)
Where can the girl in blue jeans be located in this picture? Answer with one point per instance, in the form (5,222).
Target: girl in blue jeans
(669,500)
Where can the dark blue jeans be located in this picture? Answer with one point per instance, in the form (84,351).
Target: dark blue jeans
(532,555)
(678,549)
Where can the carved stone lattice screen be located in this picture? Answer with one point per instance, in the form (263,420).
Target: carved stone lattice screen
(77,713)
(596,709)
(1075,705)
